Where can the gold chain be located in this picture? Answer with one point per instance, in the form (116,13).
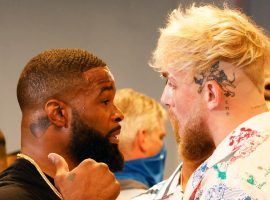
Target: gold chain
(20,155)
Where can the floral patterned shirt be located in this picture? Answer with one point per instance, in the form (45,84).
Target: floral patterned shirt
(239,168)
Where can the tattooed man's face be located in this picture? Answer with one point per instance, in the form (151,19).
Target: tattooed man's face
(181,97)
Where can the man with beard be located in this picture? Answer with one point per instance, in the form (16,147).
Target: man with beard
(174,186)
(215,61)
(66,98)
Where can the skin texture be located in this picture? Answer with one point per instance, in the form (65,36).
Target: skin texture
(207,103)
(98,99)
(147,143)
(102,184)
(188,165)
(155,141)
(210,104)
(93,100)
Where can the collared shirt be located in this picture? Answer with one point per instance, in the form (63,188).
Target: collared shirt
(130,188)
(239,168)
(168,189)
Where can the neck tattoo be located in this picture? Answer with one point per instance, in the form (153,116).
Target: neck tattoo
(23,156)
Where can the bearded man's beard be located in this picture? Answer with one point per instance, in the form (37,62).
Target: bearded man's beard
(196,143)
(87,142)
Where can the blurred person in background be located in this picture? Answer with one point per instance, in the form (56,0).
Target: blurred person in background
(141,142)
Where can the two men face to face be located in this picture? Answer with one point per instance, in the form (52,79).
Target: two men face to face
(95,123)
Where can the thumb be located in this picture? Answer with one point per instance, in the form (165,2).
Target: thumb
(59,163)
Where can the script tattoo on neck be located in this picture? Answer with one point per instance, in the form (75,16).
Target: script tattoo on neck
(37,128)
(218,75)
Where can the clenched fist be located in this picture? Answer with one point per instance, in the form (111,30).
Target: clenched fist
(89,180)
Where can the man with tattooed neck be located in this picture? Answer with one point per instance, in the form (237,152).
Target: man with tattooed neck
(66,98)
(215,61)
